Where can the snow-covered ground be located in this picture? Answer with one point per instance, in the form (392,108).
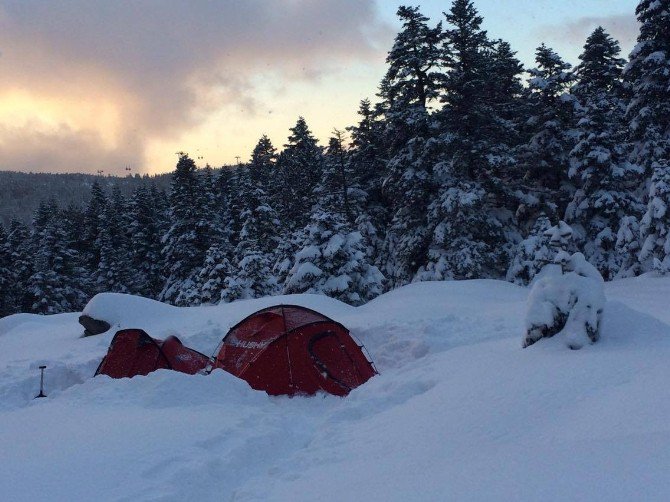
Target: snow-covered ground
(459,411)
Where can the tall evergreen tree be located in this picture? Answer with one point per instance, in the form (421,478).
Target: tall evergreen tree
(7,277)
(545,155)
(52,284)
(333,258)
(301,164)
(259,238)
(113,273)
(466,218)
(184,247)
(94,226)
(647,79)
(145,244)
(263,162)
(409,87)
(598,166)
(22,266)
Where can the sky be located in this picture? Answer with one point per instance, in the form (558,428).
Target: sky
(99,85)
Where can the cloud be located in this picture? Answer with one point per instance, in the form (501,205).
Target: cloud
(162,64)
(623,27)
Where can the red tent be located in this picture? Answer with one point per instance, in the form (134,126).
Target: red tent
(133,352)
(288,350)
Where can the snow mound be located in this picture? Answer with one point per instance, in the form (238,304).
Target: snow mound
(568,301)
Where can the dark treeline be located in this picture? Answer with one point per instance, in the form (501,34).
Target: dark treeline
(455,172)
(21,193)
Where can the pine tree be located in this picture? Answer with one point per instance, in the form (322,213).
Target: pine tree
(333,262)
(532,254)
(603,177)
(22,266)
(655,225)
(410,85)
(94,225)
(333,258)
(647,77)
(52,284)
(263,162)
(184,248)
(258,240)
(113,272)
(467,221)
(7,277)
(545,155)
(367,165)
(145,244)
(300,164)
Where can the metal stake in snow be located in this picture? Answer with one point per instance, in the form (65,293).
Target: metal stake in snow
(41,394)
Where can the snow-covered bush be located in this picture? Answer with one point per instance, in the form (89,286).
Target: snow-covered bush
(568,300)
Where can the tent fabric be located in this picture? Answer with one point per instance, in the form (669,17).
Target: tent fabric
(133,352)
(289,350)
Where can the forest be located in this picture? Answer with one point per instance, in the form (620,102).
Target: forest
(464,165)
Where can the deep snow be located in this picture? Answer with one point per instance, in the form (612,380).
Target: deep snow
(459,411)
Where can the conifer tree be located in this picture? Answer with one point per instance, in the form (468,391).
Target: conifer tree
(51,284)
(603,177)
(263,162)
(410,85)
(7,277)
(113,273)
(145,244)
(545,155)
(22,266)
(94,225)
(532,254)
(647,77)
(258,240)
(367,164)
(333,258)
(301,164)
(466,219)
(183,247)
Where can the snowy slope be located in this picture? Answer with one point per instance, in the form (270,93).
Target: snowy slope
(459,412)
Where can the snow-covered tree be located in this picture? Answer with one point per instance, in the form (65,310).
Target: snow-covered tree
(603,177)
(467,221)
(263,163)
(333,258)
(655,225)
(22,265)
(333,261)
(410,85)
(145,245)
(7,277)
(51,284)
(300,165)
(113,273)
(532,254)
(568,302)
(184,246)
(94,227)
(258,240)
(545,155)
(647,78)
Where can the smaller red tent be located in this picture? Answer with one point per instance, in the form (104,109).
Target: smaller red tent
(288,350)
(133,352)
